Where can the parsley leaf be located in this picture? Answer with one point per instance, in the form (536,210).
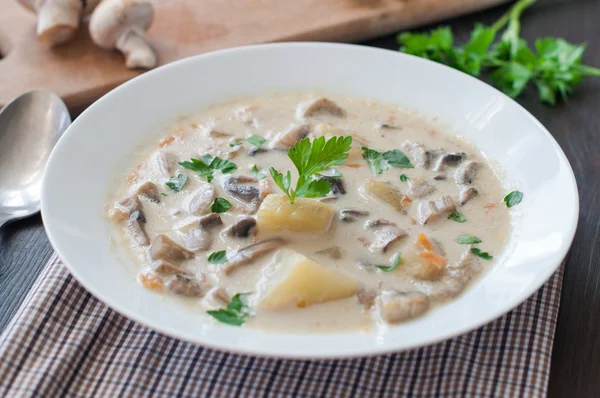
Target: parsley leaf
(311,158)
(226,166)
(375,159)
(379,162)
(554,68)
(397,158)
(220,205)
(479,253)
(457,217)
(236,144)
(235,314)
(256,140)
(207,164)
(389,268)
(259,175)
(513,198)
(219,257)
(468,239)
(176,183)
(403,177)
(199,167)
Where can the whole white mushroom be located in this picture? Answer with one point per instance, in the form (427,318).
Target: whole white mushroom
(122,24)
(58,20)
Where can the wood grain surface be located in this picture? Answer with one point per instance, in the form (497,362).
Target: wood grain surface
(80,72)
(575,370)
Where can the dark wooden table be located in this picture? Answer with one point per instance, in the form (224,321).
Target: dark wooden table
(24,248)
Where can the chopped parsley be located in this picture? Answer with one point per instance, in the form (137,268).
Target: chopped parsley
(513,198)
(219,257)
(479,253)
(457,217)
(235,314)
(206,165)
(403,177)
(379,162)
(468,239)
(256,140)
(259,175)
(176,183)
(220,205)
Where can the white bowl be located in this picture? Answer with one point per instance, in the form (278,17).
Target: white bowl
(96,151)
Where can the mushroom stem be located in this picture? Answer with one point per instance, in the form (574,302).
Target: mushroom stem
(58,21)
(138,53)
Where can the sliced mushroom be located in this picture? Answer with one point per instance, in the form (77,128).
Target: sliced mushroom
(466,194)
(210,221)
(288,138)
(395,306)
(448,159)
(242,228)
(445,204)
(466,172)
(202,199)
(215,298)
(187,286)
(165,267)
(245,194)
(429,210)
(419,189)
(136,229)
(322,106)
(385,233)
(417,153)
(218,133)
(333,252)
(366,298)
(456,277)
(124,208)
(164,163)
(351,215)
(198,240)
(337,185)
(387,126)
(254,150)
(165,248)
(148,190)
(440,177)
(250,253)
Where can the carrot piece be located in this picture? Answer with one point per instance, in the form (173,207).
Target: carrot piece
(405,201)
(433,258)
(491,206)
(425,243)
(150,281)
(166,141)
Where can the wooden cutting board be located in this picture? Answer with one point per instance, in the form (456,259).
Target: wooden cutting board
(80,72)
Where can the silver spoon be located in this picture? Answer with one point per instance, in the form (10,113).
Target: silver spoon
(30,126)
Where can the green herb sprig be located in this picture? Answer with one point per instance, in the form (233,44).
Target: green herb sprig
(206,165)
(379,162)
(311,158)
(236,312)
(554,68)
(390,268)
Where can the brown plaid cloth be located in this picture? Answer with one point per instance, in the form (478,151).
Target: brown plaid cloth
(65,343)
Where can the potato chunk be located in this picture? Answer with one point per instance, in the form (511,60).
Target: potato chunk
(300,282)
(276,213)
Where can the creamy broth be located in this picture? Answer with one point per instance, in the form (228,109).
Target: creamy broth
(352,248)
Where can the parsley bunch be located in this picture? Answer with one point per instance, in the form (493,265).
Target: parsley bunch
(554,68)
(311,158)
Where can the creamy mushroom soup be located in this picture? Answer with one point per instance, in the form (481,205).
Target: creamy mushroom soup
(311,212)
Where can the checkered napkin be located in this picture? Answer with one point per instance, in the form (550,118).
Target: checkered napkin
(65,343)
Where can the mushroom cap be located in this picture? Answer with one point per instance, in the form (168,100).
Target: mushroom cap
(33,5)
(113,18)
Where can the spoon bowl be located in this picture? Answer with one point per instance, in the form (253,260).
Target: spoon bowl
(30,126)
